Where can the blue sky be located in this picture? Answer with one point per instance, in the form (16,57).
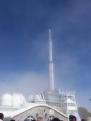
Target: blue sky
(24,46)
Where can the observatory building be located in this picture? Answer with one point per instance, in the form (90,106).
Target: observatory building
(64,101)
(50,102)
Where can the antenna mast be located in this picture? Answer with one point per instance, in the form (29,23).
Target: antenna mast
(51,71)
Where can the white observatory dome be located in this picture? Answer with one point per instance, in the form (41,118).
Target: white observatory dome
(18,100)
(6,100)
(39,97)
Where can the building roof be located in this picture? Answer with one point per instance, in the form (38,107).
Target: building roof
(30,106)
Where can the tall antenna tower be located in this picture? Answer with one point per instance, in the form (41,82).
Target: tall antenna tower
(51,71)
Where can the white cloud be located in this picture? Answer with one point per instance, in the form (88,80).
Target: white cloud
(66,67)
(27,83)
